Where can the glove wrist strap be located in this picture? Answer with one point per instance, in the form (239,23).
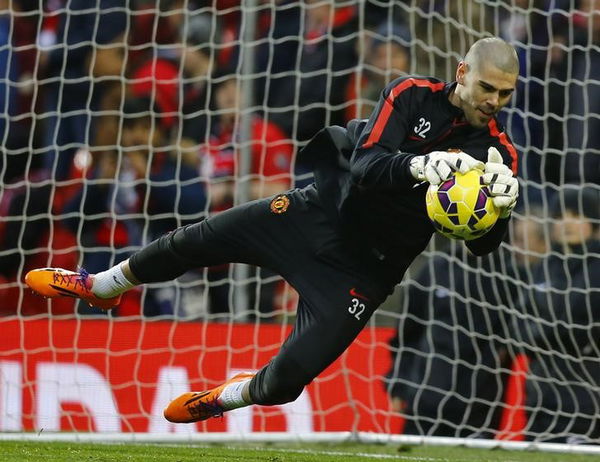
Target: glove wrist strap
(417,167)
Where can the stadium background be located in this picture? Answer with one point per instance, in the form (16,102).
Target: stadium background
(224,94)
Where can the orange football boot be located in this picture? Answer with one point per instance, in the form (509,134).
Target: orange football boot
(58,282)
(196,406)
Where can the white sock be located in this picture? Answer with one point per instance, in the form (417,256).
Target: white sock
(110,283)
(231,396)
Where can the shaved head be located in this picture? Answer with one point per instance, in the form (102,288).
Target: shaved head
(494,51)
(485,80)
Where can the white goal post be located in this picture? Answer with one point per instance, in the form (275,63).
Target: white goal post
(123,119)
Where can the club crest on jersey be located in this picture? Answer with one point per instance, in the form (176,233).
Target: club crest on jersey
(280,204)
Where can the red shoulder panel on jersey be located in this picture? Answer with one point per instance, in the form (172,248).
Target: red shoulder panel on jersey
(495,132)
(386,110)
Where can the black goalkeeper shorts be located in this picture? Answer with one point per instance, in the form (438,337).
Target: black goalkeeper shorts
(291,234)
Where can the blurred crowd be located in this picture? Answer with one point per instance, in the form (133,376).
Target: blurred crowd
(132,117)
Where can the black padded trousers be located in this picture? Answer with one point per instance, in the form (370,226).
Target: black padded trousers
(291,234)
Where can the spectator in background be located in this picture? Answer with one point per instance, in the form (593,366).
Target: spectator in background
(376,12)
(449,377)
(271,152)
(276,62)
(87,58)
(551,101)
(18,34)
(560,326)
(156,81)
(284,27)
(94,209)
(177,65)
(102,214)
(200,37)
(8,68)
(170,193)
(152,39)
(313,95)
(386,57)
(581,163)
(126,204)
(528,242)
(154,30)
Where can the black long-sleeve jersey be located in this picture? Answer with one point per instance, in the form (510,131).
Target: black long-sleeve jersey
(374,198)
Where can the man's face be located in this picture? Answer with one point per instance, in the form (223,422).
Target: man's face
(482,93)
(591,8)
(228,96)
(389,56)
(318,13)
(140,138)
(143,135)
(572,229)
(528,241)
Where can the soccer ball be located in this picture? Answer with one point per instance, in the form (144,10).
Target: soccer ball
(461,207)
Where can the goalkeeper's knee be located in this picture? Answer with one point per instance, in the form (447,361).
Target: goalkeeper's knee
(279,382)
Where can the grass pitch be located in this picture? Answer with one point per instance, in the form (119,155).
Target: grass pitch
(129,452)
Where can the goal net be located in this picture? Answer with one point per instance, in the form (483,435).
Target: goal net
(124,119)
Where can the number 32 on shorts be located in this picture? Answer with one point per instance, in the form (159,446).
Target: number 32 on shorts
(356,308)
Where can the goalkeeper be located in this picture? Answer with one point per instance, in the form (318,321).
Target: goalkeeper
(345,241)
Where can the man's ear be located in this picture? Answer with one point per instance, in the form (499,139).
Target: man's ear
(461,70)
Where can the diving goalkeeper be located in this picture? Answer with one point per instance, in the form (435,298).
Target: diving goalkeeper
(345,241)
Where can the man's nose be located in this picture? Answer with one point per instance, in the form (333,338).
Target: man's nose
(493,99)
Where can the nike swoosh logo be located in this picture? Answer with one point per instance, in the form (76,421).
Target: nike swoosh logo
(64,291)
(196,398)
(354,293)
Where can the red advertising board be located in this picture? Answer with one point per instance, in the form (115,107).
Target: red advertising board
(113,375)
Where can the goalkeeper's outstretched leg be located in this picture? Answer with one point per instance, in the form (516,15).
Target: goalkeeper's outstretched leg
(207,243)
